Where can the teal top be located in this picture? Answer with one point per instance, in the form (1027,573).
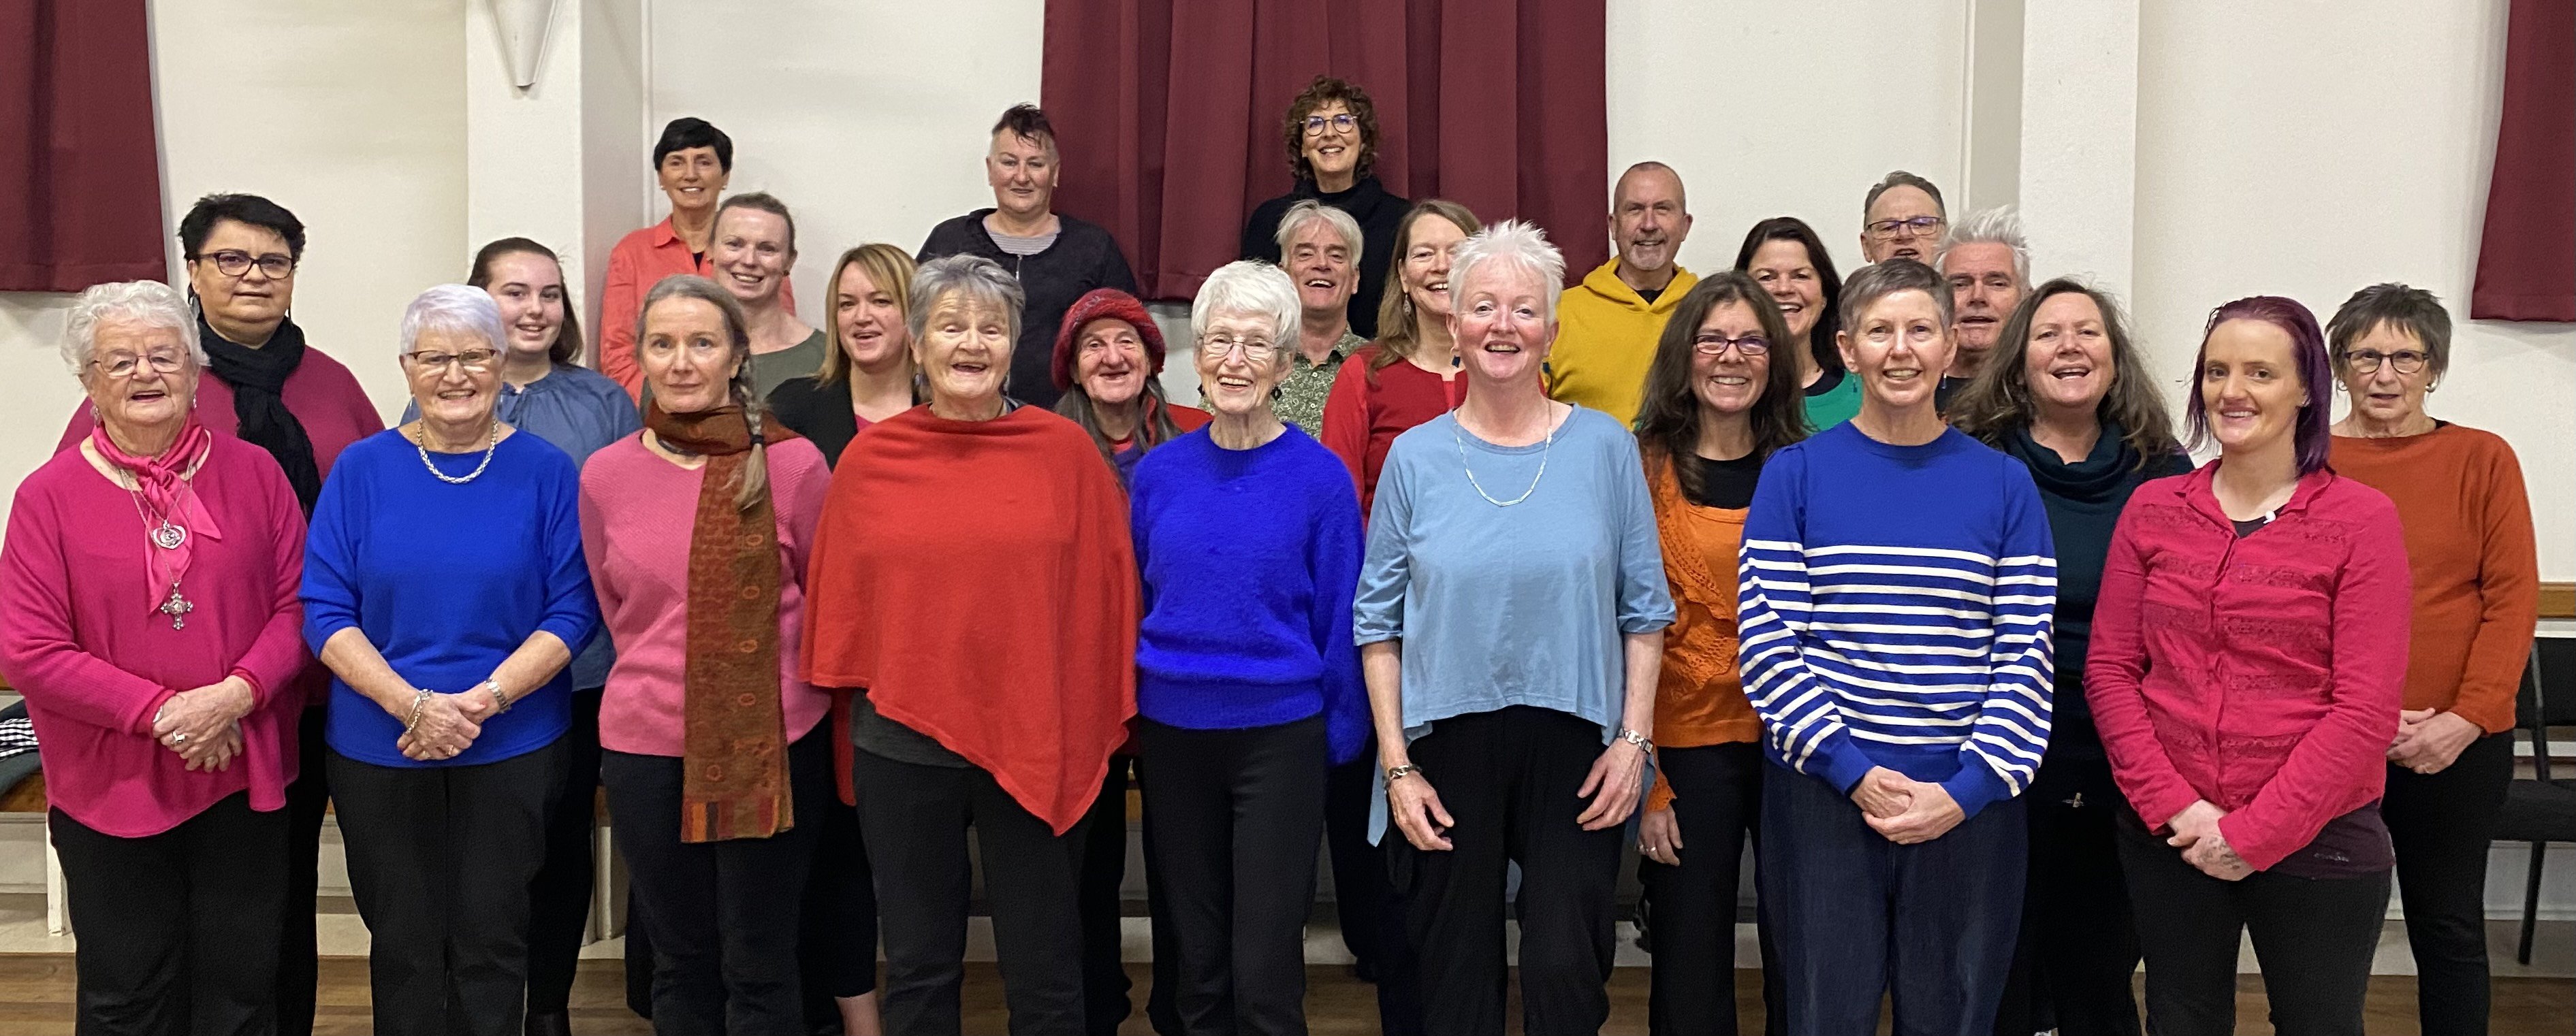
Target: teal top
(1838,402)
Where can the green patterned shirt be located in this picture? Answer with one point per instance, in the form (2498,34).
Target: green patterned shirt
(1301,394)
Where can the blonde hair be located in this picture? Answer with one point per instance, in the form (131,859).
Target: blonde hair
(1396,333)
(890,269)
(742,389)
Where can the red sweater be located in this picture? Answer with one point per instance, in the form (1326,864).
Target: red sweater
(2261,673)
(1367,409)
(979,579)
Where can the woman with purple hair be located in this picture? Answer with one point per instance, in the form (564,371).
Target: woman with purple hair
(2249,648)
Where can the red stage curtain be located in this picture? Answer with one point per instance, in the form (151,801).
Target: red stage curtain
(1168,113)
(2527,260)
(80,180)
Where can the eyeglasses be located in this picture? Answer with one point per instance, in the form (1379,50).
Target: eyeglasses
(1715,345)
(1919,226)
(476,360)
(2366,361)
(233,262)
(1257,350)
(118,365)
(1344,122)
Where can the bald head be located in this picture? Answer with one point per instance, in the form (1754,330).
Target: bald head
(1648,220)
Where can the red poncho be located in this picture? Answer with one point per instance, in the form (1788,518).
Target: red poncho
(977,578)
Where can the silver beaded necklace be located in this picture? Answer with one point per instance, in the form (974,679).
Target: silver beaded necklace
(1543,453)
(420,442)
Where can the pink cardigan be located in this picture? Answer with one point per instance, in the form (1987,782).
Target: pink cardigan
(2263,674)
(79,637)
(636,513)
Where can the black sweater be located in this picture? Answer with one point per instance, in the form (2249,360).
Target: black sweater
(819,412)
(1083,257)
(1377,212)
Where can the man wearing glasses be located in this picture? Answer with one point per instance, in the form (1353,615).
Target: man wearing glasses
(1902,216)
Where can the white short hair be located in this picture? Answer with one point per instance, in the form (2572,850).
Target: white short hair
(454,309)
(149,303)
(1309,211)
(1518,244)
(1996,226)
(1248,287)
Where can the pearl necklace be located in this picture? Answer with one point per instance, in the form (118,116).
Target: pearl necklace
(421,443)
(1461,443)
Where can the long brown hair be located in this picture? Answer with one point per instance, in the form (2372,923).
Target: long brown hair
(567,347)
(888,268)
(1997,402)
(1396,334)
(742,389)
(1668,417)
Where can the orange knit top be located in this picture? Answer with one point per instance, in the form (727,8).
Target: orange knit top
(1699,699)
(2460,493)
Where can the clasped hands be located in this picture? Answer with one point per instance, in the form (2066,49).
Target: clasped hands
(2428,741)
(1904,810)
(203,724)
(2195,832)
(448,724)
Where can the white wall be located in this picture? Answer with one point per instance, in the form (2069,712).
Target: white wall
(2280,152)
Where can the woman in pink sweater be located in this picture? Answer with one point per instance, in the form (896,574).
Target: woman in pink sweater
(2249,650)
(148,613)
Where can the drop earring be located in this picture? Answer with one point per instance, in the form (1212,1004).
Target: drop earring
(1547,369)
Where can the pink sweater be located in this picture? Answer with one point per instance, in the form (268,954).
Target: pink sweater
(636,513)
(95,661)
(2263,674)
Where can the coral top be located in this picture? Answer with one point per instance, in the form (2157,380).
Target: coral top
(95,660)
(2260,673)
(1367,409)
(639,261)
(2476,572)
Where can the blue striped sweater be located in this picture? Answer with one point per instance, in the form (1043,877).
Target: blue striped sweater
(1896,606)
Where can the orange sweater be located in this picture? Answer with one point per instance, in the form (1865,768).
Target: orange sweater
(2460,493)
(1699,699)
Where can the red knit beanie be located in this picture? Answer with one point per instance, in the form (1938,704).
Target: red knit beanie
(1105,304)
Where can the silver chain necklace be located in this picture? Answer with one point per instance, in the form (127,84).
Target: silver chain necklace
(1455,440)
(421,443)
(167,536)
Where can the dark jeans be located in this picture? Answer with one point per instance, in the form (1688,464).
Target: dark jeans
(1370,913)
(1101,900)
(559,897)
(837,948)
(1930,925)
(1238,815)
(1508,778)
(915,818)
(2079,939)
(2313,939)
(308,801)
(2441,825)
(725,914)
(1717,799)
(440,859)
(161,919)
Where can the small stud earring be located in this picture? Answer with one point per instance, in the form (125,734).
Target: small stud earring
(1547,368)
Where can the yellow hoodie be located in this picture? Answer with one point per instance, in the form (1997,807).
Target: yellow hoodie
(1605,340)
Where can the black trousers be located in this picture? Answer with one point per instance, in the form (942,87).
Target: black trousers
(559,896)
(915,818)
(725,915)
(308,801)
(2313,939)
(1237,817)
(837,948)
(1717,799)
(1370,912)
(1508,778)
(440,858)
(2079,938)
(2441,825)
(161,920)
(1100,898)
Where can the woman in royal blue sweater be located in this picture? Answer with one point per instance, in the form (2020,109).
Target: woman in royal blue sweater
(1247,681)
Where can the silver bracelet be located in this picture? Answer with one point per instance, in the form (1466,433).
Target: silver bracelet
(1640,740)
(1397,773)
(499,698)
(419,700)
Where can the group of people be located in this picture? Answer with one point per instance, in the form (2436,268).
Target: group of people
(1907,581)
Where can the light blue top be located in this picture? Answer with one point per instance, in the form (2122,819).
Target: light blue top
(1519,605)
(579,410)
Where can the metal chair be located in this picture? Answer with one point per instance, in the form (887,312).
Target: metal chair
(2542,808)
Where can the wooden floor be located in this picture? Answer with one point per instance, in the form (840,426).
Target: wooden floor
(36,1000)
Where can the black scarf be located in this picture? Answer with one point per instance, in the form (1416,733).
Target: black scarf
(258,380)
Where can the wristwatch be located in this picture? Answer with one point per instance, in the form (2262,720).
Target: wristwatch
(1640,740)
(499,697)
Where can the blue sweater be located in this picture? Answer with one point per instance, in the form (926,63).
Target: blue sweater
(1249,559)
(447,581)
(1896,605)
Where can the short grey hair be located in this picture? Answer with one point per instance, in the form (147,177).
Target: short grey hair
(454,309)
(1309,211)
(1900,178)
(1996,226)
(149,303)
(1878,280)
(982,281)
(1515,243)
(1249,287)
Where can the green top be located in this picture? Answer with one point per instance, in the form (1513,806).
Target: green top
(795,361)
(1839,402)
(1302,392)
